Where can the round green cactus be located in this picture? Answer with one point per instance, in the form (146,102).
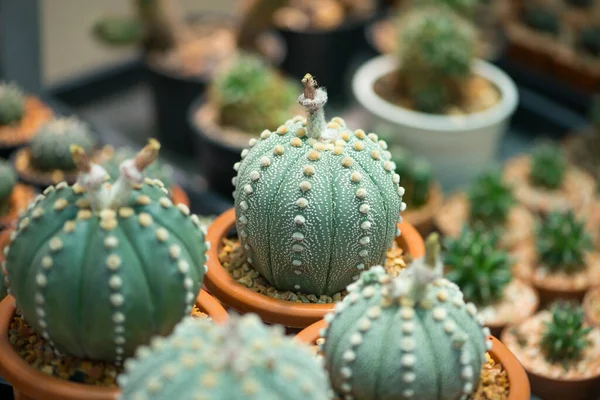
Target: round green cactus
(436,50)
(479,268)
(12,103)
(8,180)
(315,202)
(565,337)
(98,269)
(50,147)
(242,359)
(251,96)
(490,199)
(404,338)
(156,170)
(562,242)
(548,166)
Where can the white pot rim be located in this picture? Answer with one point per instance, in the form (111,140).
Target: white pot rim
(368,73)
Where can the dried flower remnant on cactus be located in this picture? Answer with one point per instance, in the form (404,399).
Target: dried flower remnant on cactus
(565,337)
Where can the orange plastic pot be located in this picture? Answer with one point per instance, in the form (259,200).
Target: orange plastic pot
(275,311)
(517,378)
(31,384)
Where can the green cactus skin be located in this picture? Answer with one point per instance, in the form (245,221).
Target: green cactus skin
(542,19)
(562,242)
(12,103)
(50,147)
(490,199)
(8,180)
(548,166)
(565,337)
(243,359)
(251,96)
(97,283)
(411,337)
(478,266)
(436,50)
(157,170)
(316,203)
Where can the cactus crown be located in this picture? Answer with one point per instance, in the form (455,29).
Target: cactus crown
(548,166)
(565,337)
(156,170)
(562,242)
(416,177)
(490,199)
(477,266)
(241,359)
(251,96)
(12,103)
(436,50)
(50,148)
(8,179)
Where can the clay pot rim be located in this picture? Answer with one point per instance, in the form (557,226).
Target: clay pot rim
(20,198)
(20,374)
(517,377)
(429,210)
(587,300)
(291,314)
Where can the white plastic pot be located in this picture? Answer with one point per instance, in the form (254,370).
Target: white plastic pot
(458,147)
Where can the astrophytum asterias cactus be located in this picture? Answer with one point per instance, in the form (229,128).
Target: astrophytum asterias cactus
(98,269)
(411,337)
(315,202)
(242,360)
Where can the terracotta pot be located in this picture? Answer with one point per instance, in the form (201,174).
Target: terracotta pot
(179,196)
(519,384)
(31,384)
(14,136)
(592,296)
(275,311)
(422,218)
(20,198)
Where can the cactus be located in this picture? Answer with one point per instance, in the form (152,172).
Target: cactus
(315,202)
(436,50)
(562,242)
(565,337)
(8,180)
(548,166)
(242,359)
(542,19)
(50,148)
(416,177)
(156,170)
(478,266)
(97,269)
(404,338)
(590,40)
(252,96)
(490,199)
(12,103)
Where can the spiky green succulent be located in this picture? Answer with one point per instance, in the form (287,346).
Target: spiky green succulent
(50,148)
(8,180)
(411,337)
(490,199)
(548,166)
(416,177)
(12,103)
(315,202)
(565,337)
(562,242)
(156,170)
(542,19)
(436,51)
(478,266)
(251,95)
(242,359)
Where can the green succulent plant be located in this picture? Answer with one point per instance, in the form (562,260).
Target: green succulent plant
(548,166)
(242,359)
(8,180)
(490,199)
(542,19)
(416,177)
(251,96)
(562,242)
(405,338)
(478,266)
(436,51)
(12,103)
(565,337)
(590,40)
(315,202)
(156,170)
(50,148)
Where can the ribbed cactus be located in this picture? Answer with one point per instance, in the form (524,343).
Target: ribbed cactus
(12,103)
(98,269)
(416,177)
(315,202)
(50,147)
(476,264)
(562,242)
(251,96)
(490,199)
(436,50)
(8,179)
(411,337)
(565,337)
(548,166)
(242,359)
